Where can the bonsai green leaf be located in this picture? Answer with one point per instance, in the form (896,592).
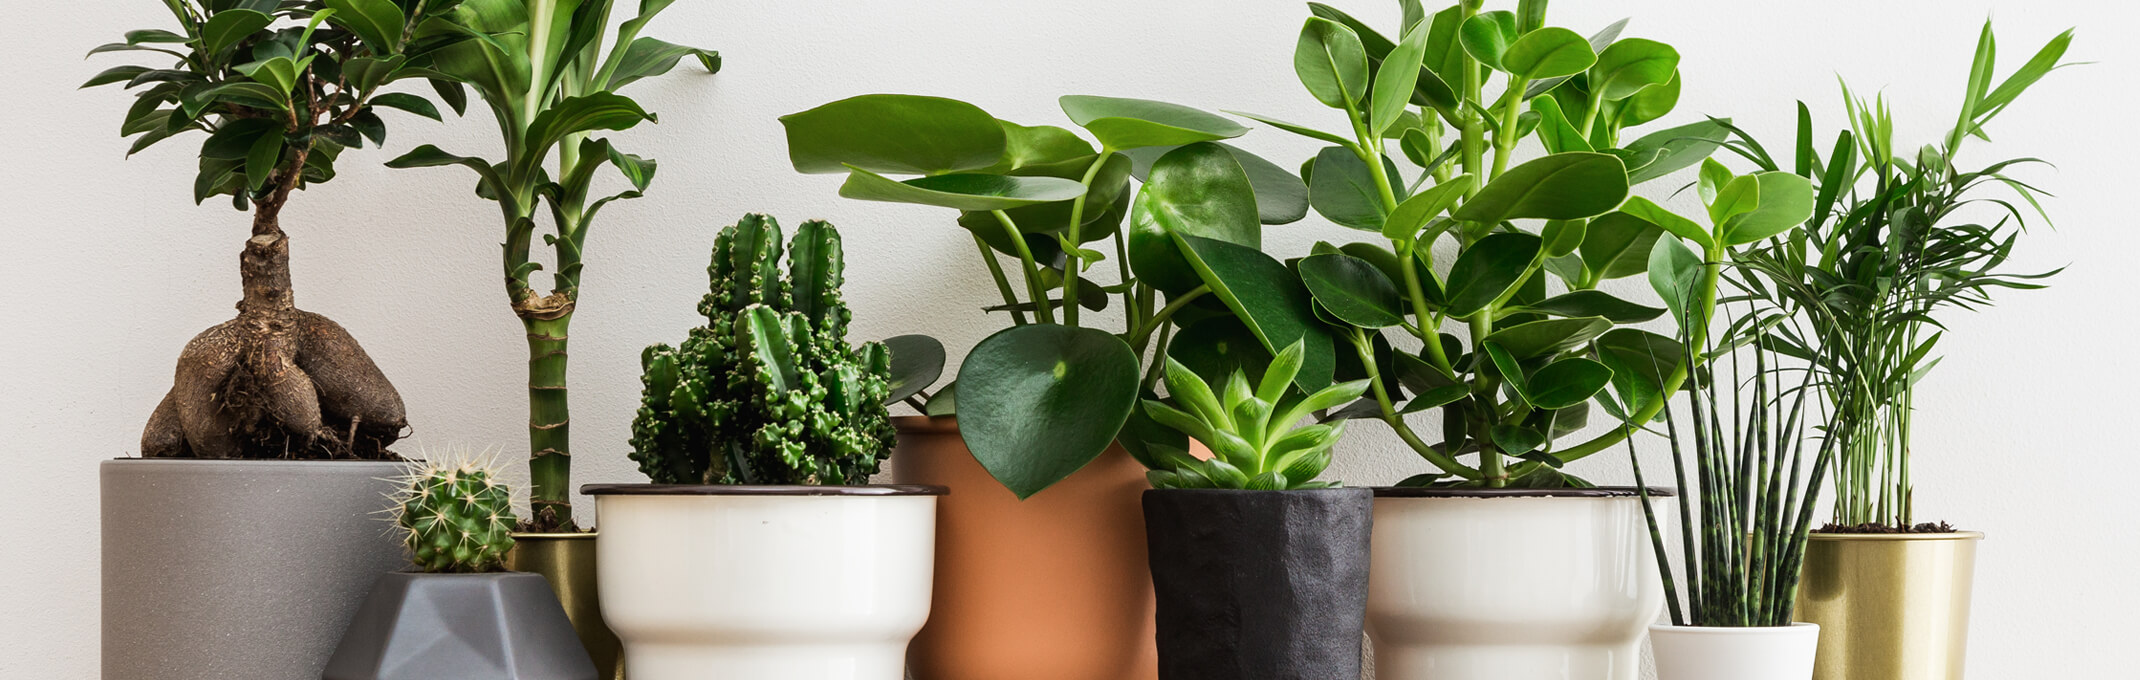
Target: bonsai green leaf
(1554,131)
(408,102)
(917,361)
(1268,298)
(1353,290)
(1414,213)
(1618,244)
(1630,65)
(1673,149)
(1567,382)
(1642,209)
(961,191)
(1487,37)
(261,159)
(1640,361)
(1561,186)
(378,22)
(1196,190)
(1593,303)
(1548,337)
(1487,269)
(116,74)
(648,58)
(1122,123)
(1343,190)
(1331,62)
(1548,53)
(1281,196)
(1040,401)
(893,133)
(227,28)
(1673,274)
(1786,202)
(1039,145)
(233,140)
(1516,439)
(1395,80)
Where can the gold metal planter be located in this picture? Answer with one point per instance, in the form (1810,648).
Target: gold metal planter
(567,560)
(1890,606)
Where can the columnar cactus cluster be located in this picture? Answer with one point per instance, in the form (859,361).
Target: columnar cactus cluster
(456,518)
(768,391)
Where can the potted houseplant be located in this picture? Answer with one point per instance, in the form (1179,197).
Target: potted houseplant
(1538,347)
(1888,253)
(456,522)
(239,543)
(550,71)
(760,551)
(1260,571)
(1052,584)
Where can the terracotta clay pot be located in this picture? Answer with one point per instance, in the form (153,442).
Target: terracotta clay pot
(1054,587)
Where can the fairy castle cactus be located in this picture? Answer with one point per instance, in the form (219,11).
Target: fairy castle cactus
(455,518)
(768,391)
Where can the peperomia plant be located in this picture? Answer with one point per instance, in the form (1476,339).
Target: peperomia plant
(1038,401)
(282,89)
(1531,359)
(550,81)
(1251,431)
(1890,248)
(768,391)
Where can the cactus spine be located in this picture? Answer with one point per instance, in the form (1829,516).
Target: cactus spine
(768,391)
(455,518)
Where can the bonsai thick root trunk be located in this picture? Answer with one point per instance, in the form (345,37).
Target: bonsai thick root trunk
(275,382)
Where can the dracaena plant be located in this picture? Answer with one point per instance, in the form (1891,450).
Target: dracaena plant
(281,90)
(1046,209)
(1889,250)
(550,71)
(1253,432)
(1456,96)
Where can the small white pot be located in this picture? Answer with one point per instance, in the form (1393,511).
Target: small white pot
(1704,653)
(1504,584)
(764,583)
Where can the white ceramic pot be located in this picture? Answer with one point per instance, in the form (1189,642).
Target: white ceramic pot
(1703,653)
(764,583)
(1508,584)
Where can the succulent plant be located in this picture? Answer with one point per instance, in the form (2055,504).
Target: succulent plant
(1249,429)
(455,517)
(768,391)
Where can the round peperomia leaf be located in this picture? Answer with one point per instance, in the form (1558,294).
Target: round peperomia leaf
(894,133)
(917,361)
(1038,402)
(1196,190)
(960,191)
(1122,123)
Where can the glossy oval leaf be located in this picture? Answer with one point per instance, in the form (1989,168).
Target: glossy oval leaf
(1038,402)
(1036,145)
(1330,61)
(230,27)
(1216,347)
(1640,362)
(1567,382)
(1487,269)
(1630,65)
(1583,303)
(1395,80)
(1561,186)
(1353,290)
(1121,123)
(1674,149)
(1269,299)
(1549,52)
(917,362)
(894,133)
(1674,271)
(1487,37)
(1342,189)
(1416,212)
(1548,337)
(1645,210)
(1281,196)
(1196,190)
(960,191)
(1617,245)
(1786,202)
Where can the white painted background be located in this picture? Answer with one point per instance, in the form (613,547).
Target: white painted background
(109,268)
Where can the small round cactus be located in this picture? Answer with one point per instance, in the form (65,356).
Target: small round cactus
(455,518)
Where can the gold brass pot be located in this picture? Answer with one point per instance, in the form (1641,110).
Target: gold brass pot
(1890,606)
(567,560)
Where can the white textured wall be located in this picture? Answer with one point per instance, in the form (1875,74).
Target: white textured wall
(109,268)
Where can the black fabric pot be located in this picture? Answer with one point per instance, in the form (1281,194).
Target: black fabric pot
(1259,585)
(502,626)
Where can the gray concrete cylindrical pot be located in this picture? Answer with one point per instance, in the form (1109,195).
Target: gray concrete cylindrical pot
(238,569)
(1259,585)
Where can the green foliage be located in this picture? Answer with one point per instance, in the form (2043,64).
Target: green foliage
(1250,428)
(768,391)
(455,518)
(281,89)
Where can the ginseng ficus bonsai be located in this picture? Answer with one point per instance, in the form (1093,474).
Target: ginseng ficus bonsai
(282,89)
(550,80)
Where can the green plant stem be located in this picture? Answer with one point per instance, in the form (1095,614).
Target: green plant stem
(1075,264)
(1003,283)
(549,424)
(1395,420)
(1144,331)
(1159,358)
(1042,310)
(1505,142)
(1699,329)
(1473,128)
(1429,322)
(1132,312)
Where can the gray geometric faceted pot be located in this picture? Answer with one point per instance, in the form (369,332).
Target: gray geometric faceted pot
(237,569)
(1259,585)
(503,626)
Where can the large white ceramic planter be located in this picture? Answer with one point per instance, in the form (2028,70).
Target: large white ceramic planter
(1701,653)
(1506,584)
(765,583)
